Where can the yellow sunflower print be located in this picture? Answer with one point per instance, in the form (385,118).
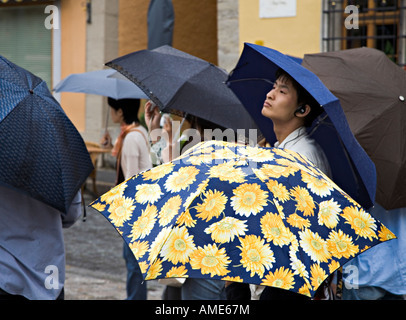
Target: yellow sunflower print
(314,246)
(298,267)
(121,210)
(257,154)
(249,199)
(212,206)
(233,279)
(181,179)
(361,222)
(274,229)
(304,290)
(113,194)
(139,248)
(304,201)
(155,270)
(282,278)
(169,210)
(158,172)
(224,153)
(145,223)
(156,245)
(341,245)
(210,260)
(256,255)
(317,275)
(278,190)
(276,171)
(203,158)
(179,246)
(99,206)
(333,266)
(177,272)
(298,222)
(328,214)
(148,193)
(317,185)
(227,172)
(226,229)
(143,266)
(186,219)
(385,234)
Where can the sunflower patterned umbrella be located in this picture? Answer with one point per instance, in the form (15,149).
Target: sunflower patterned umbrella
(239,213)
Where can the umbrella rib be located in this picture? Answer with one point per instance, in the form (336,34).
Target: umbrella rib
(249,79)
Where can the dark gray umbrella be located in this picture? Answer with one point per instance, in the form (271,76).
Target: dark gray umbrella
(177,81)
(161,19)
(372,92)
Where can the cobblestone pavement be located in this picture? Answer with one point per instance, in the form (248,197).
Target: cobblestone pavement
(95,268)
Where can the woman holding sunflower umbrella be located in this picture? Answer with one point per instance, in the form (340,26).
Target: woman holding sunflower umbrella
(243,214)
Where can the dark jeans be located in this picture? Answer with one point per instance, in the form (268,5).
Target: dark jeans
(136,286)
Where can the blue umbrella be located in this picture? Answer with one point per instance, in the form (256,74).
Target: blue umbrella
(101,82)
(41,152)
(352,169)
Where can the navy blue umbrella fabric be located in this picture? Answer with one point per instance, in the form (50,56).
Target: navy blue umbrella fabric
(41,152)
(352,169)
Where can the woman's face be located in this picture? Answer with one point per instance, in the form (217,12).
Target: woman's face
(116,115)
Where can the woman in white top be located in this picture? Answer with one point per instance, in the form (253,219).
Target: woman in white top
(133,156)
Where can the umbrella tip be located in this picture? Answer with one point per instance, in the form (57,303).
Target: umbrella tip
(31,91)
(402,98)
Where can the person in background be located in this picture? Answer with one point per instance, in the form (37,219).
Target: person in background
(189,289)
(132,151)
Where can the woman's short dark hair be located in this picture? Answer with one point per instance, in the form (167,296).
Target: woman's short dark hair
(129,107)
(303,97)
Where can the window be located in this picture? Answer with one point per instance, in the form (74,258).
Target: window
(380,24)
(25,40)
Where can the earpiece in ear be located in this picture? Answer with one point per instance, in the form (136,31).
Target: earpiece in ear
(301,109)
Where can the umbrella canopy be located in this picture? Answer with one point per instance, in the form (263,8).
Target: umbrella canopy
(372,92)
(41,152)
(180,82)
(239,213)
(101,82)
(351,167)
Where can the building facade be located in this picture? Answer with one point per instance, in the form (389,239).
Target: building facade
(54,39)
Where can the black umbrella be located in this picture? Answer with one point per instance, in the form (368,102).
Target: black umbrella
(41,152)
(177,81)
(372,92)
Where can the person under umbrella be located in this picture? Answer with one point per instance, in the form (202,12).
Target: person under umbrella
(189,289)
(44,162)
(32,271)
(132,152)
(291,109)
